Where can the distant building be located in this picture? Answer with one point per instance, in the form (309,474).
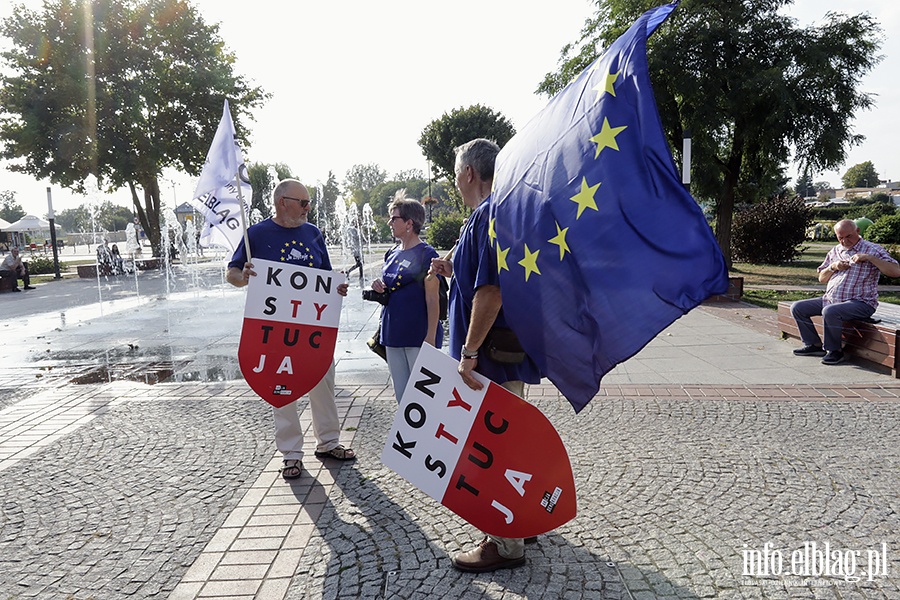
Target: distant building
(891,188)
(184,212)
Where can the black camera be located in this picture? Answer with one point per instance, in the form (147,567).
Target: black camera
(379,297)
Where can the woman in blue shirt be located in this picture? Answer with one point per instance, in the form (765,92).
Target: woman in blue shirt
(411,314)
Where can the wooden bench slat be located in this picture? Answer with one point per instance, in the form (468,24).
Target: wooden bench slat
(873,342)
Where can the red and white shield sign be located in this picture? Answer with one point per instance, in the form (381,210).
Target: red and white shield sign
(290,329)
(489,456)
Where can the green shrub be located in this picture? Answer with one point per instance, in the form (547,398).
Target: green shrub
(885,230)
(873,212)
(40,265)
(894,251)
(770,232)
(382,232)
(444,231)
(831,213)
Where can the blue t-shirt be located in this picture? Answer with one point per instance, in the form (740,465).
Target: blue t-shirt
(404,321)
(474,265)
(302,245)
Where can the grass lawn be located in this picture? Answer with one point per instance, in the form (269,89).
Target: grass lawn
(799,272)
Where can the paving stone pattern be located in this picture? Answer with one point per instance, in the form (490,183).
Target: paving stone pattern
(120,507)
(673,486)
(382,538)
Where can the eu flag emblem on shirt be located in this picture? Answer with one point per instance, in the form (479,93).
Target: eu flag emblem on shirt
(598,244)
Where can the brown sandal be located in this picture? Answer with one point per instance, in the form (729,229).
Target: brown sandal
(291,471)
(338,452)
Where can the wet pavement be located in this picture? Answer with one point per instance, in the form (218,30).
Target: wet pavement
(135,463)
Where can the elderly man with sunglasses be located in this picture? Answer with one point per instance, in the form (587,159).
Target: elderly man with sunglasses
(288,237)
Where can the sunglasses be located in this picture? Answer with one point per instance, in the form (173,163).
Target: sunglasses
(303,203)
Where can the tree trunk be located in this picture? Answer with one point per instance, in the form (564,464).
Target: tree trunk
(725,203)
(724,217)
(148,212)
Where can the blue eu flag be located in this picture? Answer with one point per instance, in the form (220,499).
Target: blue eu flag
(598,244)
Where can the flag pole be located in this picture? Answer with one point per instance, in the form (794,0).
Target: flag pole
(237,180)
(448,256)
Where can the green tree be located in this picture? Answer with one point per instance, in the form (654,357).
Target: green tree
(324,200)
(106,217)
(380,196)
(263,179)
(10,210)
(440,138)
(749,84)
(364,177)
(861,175)
(409,175)
(114,217)
(361,180)
(804,187)
(74,220)
(120,89)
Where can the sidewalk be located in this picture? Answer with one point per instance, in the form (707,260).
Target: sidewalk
(711,443)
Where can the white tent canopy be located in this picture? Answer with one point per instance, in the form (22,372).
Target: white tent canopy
(28,223)
(3,224)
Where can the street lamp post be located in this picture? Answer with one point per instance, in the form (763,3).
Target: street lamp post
(53,235)
(686,160)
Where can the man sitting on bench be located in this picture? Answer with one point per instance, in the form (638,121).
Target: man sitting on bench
(13,267)
(851,270)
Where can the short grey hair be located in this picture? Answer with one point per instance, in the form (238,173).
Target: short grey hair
(481,154)
(409,210)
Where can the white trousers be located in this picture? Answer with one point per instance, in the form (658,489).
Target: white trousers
(326,426)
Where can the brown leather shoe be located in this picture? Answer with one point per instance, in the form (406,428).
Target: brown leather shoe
(485,558)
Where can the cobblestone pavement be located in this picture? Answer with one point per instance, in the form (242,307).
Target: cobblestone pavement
(686,489)
(674,485)
(116,508)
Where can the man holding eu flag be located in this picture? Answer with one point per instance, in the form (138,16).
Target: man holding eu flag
(479,335)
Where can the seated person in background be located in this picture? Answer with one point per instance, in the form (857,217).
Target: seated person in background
(117,262)
(12,266)
(851,271)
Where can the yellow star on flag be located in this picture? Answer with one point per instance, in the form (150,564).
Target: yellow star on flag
(530,262)
(560,240)
(607,84)
(492,233)
(607,137)
(585,198)
(501,259)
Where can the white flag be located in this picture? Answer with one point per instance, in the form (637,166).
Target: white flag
(216,194)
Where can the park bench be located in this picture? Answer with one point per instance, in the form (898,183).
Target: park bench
(7,284)
(874,343)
